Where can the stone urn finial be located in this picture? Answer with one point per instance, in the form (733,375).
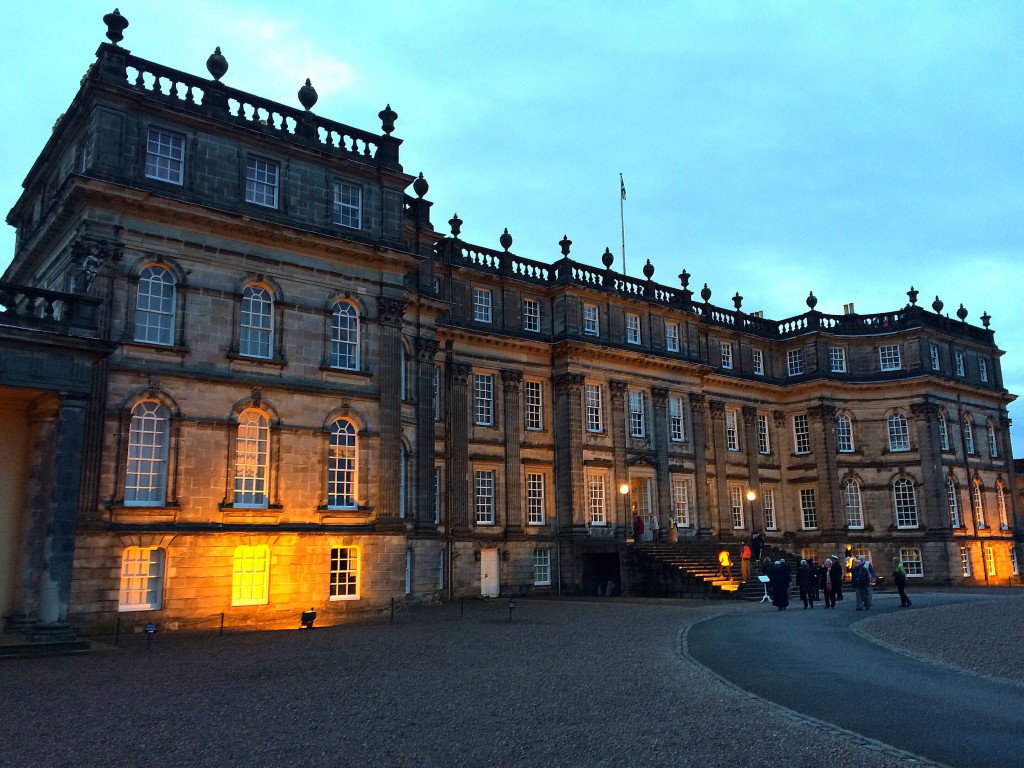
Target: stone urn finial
(912,295)
(962,313)
(937,305)
(737,301)
(684,279)
(607,258)
(456,224)
(986,319)
(705,293)
(217,65)
(565,244)
(308,96)
(505,240)
(648,270)
(420,186)
(387,119)
(116,25)
(812,300)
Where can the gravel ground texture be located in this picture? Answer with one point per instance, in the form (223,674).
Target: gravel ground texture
(985,637)
(580,683)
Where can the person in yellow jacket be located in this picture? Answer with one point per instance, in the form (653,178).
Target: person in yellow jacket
(725,565)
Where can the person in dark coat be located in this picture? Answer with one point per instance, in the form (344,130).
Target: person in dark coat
(837,579)
(756,544)
(780,585)
(828,584)
(805,581)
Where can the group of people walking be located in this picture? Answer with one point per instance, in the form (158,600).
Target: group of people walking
(826,580)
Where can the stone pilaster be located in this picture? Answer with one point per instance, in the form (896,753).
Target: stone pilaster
(426,349)
(660,436)
(457,446)
(719,516)
(513,426)
(701,519)
(753,458)
(389,319)
(825,447)
(569,446)
(618,391)
(934,509)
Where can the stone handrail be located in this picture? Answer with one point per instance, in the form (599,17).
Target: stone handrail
(38,309)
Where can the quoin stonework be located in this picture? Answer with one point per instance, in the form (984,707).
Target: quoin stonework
(242,374)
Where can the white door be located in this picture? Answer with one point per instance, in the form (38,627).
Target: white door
(489,582)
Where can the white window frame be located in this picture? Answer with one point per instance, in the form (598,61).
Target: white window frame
(250,575)
(904,501)
(943,432)
(531,315)
(591,320)
(983,370)
(808,509)
(633,335)
(978,505)
(252,460)
(801,434)
(889,358)
(725,348)
(933,351)
(844,433)
(912,562)
(597,498)
(676,422)
(961,370)
(542,567)
(485,481)
(672,337)
(968,423)
(837,359)
(681,495)
(533,397)
(953,504)
(771,522)
(795,362)
(1014,564)
(536,513)
(483,305)
(764,439)
(343,466)
(993,444)
(142,579)
(437,393)
(345,336)
(483,399)
(165,156)
(853,505)
(758,361)
(736,506)
(256,323)
(898,430)
(348,205)
(262,179)
(344,573)
(637,417)
(965,562)
(732,435)
(990,560)
(1004,518)
(155,306)
(594,402)
(148,455)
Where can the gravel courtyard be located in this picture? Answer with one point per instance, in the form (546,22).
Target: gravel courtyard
(599,683)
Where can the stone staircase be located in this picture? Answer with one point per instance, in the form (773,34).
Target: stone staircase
(690,568)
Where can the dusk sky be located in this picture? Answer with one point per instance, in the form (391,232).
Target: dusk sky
(850,149)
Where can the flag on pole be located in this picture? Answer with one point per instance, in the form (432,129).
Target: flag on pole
(622,187)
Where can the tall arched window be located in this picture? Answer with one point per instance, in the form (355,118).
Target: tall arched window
(899,433)
(844,433)
(953,503)
(148,439)
(256,328)
(905,502)
(993,445)
(154,306)
(977,499)
(969,433)
(342,466)
(1004,519)
(851,500)
(252,459)
(345,337)
(943,432)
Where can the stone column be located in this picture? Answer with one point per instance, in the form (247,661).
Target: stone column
(660,436)
(717,409)
(618,433)
(932,502)
(389,319)
(753,463)
(513,427)
(426,349)
(832,518)
(783,501)
(62,522)
(457,446)
(568,446)
(701,519)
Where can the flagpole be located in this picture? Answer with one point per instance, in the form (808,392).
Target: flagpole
(622,221)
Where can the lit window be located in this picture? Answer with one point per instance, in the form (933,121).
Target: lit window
(596,499)
(345,337)
(912,564)
(256,331)
(899,432)
(344,573)
(736,505)
(165,156)
(534,405)
(837,359)
(764,445)
(965,562)
(348,205)
(953,504)
(342,462)
(969,434)
(844,434)
(672,337)
(851,500)
(990,560)
(979,505)
(905,503)
(677,427)
(808,509)
(252,459)
(802,434)
(795,362)
(542,567)
(933,351)
(726,349)
(482,305)
(148,442)
(142,579)
(483,398)
(637,425)
(993,444)
(889,358)
(535,498)
(591,324)
(681,500)
(983,369)
(768,503)
(154,306)
(261,182)
(250,575)
(531,315)
(595,419)
(732,440)
(485,497)
(632,328)
(943,432)
(758,362)
(959,357)
(1004,520)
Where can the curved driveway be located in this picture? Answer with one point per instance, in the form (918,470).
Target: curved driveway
(813,663)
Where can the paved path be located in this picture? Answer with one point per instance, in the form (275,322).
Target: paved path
(813,663)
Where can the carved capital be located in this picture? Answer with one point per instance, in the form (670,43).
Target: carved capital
(697,400)
(822,413)
(660,396)
(513,380)
(426,349)
(390,311)
(618,389)
(717,408)
(569,383)
(779,417)
(459,373)
(749,414)
(924,410)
